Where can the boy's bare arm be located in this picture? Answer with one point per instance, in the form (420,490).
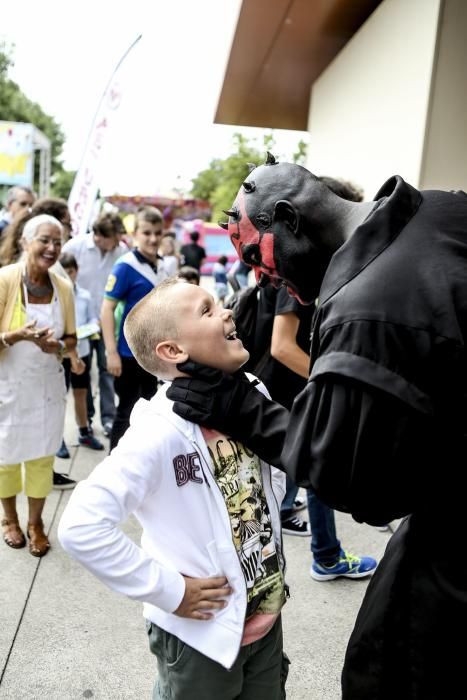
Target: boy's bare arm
(202,595)
(114,363)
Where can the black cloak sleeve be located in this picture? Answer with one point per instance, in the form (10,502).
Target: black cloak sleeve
(362,450)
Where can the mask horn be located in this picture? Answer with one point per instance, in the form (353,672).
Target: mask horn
(270,159)
(251,167)
(224,225)
(231,212)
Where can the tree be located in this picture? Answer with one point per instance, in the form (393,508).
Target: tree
(16,107)
(219,183)
(206,181)
(62,182)
(300,154)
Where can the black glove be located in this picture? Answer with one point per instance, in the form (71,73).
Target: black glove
(209,396)
(231,404)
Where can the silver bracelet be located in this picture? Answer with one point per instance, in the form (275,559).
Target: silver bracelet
(3,341)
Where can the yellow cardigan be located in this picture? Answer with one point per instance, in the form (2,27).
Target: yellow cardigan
(10,298)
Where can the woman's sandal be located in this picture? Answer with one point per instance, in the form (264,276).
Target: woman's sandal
(13,535)
(38,540)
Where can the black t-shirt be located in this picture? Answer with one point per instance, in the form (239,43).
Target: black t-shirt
(193,254)
(281,382)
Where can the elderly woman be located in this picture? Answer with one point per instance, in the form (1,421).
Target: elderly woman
(37,325)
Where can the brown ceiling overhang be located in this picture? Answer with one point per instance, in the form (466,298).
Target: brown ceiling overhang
(279,49)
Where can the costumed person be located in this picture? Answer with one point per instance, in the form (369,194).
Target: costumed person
(37,325)
(379,430)
(285,374)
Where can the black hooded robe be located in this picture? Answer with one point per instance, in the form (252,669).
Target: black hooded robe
(382,422)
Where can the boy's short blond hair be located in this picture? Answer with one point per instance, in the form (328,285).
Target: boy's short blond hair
(151,321)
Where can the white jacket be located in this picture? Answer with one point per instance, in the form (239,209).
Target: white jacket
(186,529)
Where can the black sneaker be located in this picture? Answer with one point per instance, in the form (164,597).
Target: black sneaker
(296,526)
(62,482)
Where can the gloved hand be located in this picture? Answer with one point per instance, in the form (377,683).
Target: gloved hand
(210,396)
(231,404)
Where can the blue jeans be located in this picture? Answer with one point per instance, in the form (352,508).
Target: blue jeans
(325,546)
(289,498)
(106,386)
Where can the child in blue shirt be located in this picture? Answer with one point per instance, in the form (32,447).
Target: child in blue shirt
(133,276)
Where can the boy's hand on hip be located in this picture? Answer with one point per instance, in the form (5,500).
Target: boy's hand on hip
(203,595)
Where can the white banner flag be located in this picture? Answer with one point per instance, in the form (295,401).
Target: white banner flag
(85,185)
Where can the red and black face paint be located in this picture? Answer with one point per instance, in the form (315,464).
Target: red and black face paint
(255,247)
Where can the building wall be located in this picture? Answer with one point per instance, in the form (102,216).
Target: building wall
(445,159)
(369,108)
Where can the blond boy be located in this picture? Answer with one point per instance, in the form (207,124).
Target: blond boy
(209,569)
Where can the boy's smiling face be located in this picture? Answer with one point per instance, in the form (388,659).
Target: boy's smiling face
(206,331)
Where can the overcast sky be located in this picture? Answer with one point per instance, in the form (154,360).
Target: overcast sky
(163,132)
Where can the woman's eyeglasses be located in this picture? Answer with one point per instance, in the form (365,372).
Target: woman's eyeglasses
(56,242)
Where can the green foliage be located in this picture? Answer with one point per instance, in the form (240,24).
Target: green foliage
(16,107)
(220,183)
(5,60)
(62,183)
(300,154)
(206,181)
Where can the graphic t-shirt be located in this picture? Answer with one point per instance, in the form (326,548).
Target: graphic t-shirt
(238,474)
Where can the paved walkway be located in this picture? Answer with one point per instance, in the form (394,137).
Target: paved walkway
(64,636)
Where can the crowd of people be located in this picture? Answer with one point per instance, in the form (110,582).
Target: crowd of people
(108,272)
(359,399)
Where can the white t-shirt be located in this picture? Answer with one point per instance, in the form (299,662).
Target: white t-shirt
(94,266)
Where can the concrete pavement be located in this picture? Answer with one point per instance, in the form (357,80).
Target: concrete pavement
(64,636)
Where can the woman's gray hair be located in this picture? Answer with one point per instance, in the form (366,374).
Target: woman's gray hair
(31,226)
